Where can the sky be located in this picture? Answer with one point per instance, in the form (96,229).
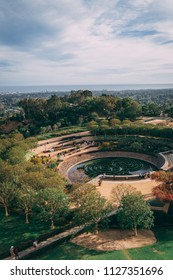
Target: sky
(68,42)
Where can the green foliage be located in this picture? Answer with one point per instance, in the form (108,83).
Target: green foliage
(91,206)
(79,96)
(120,191)
(151,109)
(136,146)
(134,213)
(53,204)
(127,109)
(133,128)
(25,200)
(78,108)
(147,145)
(16,155)
(34,108)
(93,126)
(7,195)
(61,131)
(114,122)
(14,148)
(105,145)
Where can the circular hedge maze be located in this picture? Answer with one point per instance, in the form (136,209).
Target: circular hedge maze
(114,166)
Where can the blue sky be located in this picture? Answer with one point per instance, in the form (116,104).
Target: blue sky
(59,42)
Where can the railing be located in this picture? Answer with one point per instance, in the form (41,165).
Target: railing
(124,177)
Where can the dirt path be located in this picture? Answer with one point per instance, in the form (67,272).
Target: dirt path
(115,239)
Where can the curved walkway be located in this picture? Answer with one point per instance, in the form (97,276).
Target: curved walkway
(168,158)
(52,240)
(50,143)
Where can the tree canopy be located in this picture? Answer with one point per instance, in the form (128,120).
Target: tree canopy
(134,213)
(91,207)
(164,190)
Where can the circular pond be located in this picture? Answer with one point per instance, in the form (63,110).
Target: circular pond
(110,166)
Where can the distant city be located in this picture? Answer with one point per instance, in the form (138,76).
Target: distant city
(158,94)
(68,88)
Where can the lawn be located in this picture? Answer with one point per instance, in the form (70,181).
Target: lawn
(14,231)
(162,250)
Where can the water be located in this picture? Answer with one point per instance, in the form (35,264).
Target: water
(68,88)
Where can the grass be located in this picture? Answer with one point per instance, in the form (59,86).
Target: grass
(14,231)
(62,131)
(161,250)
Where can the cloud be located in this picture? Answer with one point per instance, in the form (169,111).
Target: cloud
(85,41)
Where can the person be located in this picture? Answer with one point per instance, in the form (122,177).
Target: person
(35,244)
(16,254)
(99,182)
(12,252)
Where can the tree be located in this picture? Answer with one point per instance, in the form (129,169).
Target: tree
(120,191)
(53,107)
(16,155)
(7,195)
(34,108)
(164,190)
(127,108)
(53,204)
(104,126)
(93,126)
(162,176)
(151,109)
(79,96)
(25,200)
(114,123)
(90,206)
(134,212)
(136,146)
(38,177)
(94,116)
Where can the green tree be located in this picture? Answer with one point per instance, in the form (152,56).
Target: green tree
(53,204)
(34,108)
(93,126)
(7,195)
(53,107)
(120,191)
(134,212)
(94,116)
(136,146)
(151,109)
(25,200)
(91,207)
(79,96)
(127,108)
(16,155)
(104,126)
(115,123)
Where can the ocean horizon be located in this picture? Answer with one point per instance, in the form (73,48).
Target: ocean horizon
(68,88)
